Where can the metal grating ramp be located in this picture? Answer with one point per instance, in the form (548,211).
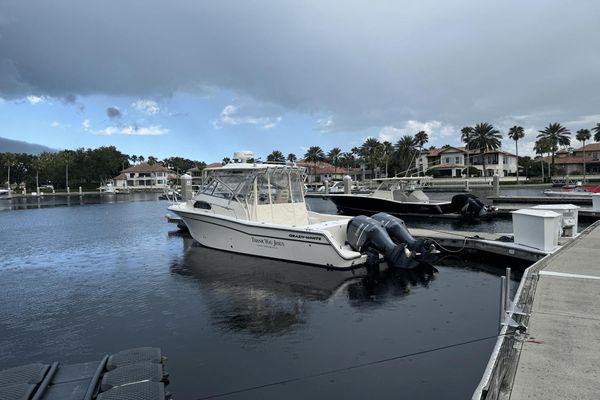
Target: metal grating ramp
(135,391)
(133,356)
(132,373)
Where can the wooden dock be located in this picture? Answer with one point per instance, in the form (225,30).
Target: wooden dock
(551,352)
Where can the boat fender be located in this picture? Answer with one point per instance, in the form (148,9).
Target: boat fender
(364,234)
(397,230)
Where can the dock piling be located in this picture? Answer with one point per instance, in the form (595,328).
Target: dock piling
(502,300)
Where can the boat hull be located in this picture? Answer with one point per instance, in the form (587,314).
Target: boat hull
(289,244)
(364,205)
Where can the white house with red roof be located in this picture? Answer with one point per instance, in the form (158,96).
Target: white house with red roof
(451,161)
(143,176)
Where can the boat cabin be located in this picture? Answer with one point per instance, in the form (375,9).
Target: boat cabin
(270,193)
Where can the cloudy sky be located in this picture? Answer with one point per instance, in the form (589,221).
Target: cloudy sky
(203,79)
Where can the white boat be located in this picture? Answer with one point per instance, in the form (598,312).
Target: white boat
(259,209)
(579,192)
(4,194)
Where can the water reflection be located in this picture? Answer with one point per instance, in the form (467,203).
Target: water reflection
(73,199)
(378,288)
(270,297)
(255,295)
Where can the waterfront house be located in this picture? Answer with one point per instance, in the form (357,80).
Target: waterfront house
(451,161)
(571,163)
(322,171)
(143,176)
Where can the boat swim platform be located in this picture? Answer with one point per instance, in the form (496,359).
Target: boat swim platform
(132,374)
(556,357)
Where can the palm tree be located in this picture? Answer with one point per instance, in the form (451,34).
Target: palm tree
(292,157)
(421,138)
(152,160)
(314,154)
(582,136)
(134,159)
(484,138)
(516,133)
(9,160)
(372,151)
(541,147)
(557,135)
(333,156)
(276,156)
(597,134)
(465,137)
(388,150)
(141,159)
(405,152)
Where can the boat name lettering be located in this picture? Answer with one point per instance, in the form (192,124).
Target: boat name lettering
(266,242)
(301,236)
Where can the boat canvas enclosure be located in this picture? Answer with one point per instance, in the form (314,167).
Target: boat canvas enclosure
(271,193)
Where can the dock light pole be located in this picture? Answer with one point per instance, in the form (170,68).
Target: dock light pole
(67,174)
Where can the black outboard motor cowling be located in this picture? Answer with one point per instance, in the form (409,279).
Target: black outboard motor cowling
(470,206)
(365,235)
(399,233)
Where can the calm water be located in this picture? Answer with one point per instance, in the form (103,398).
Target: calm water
(78,282)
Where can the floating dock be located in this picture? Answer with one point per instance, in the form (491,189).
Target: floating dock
(549,346)
(133,374)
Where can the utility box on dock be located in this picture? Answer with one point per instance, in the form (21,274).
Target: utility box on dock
(596,202)
(570,217)
(536,228)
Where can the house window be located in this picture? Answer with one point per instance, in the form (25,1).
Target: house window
(447,160)
(132,175)
(456,160)
(595,156)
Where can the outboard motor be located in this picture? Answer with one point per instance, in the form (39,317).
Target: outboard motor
(470,206)
(399,233)
(366,235)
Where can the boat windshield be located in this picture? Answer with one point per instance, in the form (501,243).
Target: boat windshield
(229,185)
(273,185)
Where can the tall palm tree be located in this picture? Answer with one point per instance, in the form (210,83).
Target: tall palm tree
(465,137)
(582,136)
(152,160)
(388,150)
(484,138)
(516,133)
(134,159)
(557,135)
(597,134)
(333,157)
(371,150)
(542,147)
(314,154)
(9,160)
(421,138)
(141,159)
(292,157)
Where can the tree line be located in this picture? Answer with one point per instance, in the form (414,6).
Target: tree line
(400,158)
(88,168)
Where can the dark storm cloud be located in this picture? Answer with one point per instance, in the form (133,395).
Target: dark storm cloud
(362,63)
(113,113)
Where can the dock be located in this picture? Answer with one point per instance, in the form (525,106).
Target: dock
(549,348)
(541,200)
(495,243)
(127,375)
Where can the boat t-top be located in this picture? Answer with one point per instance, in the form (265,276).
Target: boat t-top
(259,209)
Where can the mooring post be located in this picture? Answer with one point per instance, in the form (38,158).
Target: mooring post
(326,186)
(496,185)
(507,293)
(502,299)
(347,184)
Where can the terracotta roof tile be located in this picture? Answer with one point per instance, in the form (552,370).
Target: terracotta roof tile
(145,167)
